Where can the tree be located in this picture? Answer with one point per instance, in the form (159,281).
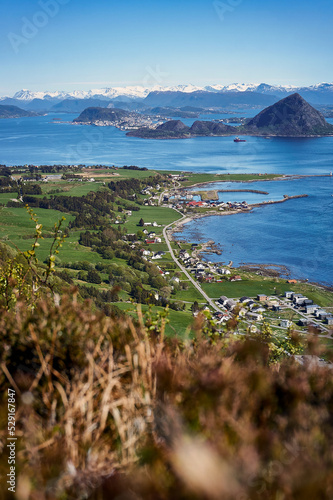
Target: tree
(94,277)
(195,306)
(141,222)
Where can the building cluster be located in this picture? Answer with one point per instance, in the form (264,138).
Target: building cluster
(309,308)
(179,203)
(205,271)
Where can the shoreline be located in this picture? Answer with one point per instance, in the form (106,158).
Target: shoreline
(179,226)
(282,177)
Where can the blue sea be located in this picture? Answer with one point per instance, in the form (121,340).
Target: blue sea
(297,234)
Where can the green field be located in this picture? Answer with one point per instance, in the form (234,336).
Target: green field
(179,321)
(252,287)
(161,215)
(71,188)
(112,174)
(199,178)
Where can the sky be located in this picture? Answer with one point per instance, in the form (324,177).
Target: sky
(84,44)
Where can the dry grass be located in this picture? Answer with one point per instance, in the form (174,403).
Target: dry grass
(106,411)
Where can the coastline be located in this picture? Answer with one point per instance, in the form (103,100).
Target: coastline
(266,269)
(282,177)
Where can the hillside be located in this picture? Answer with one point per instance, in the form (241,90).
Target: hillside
(205,128)
(14,112)
(93,114)
(175,129)
(291,116)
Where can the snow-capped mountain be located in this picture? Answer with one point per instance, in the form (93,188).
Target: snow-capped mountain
(140,92)
(320,93)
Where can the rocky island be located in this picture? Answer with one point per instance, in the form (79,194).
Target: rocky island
(292,116)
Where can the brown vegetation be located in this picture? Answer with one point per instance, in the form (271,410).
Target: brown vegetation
(107,410)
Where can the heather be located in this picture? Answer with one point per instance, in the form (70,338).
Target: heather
(110,408)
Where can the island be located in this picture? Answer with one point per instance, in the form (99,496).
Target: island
(292,116)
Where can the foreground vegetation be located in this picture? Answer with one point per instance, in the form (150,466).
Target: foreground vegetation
(109,408)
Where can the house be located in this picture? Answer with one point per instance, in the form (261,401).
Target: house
(288,295)
(226,271)
(149,242)
(145,252)
(299,301)
(254,316)
(329,320)
(152,234)
(291,281)
(196,204)
(311,309)
(261,297)
(304,322)
(222,300)
(258,309)
(230,304)
(323,315)
(320,312)
(158,240)
(235,278)
(285,323)
(244,300)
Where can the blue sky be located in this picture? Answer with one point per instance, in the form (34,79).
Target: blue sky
(83,44)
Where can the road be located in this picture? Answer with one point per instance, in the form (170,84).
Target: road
(197,285)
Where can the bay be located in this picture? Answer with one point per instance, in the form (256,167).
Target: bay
(297,234)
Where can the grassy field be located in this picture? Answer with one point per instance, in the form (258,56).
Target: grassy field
(112,174)
(161,215)
(249,288)
(5,197)
(198,178)
(252,287)
(71,188)
(189,295)
(179,321)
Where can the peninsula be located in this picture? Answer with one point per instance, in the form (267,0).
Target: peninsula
(14,112)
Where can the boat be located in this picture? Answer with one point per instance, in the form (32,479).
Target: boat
(237,139)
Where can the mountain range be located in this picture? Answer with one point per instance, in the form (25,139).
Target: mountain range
(141,97)
(140,92)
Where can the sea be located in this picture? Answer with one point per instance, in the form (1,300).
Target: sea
(297,234)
